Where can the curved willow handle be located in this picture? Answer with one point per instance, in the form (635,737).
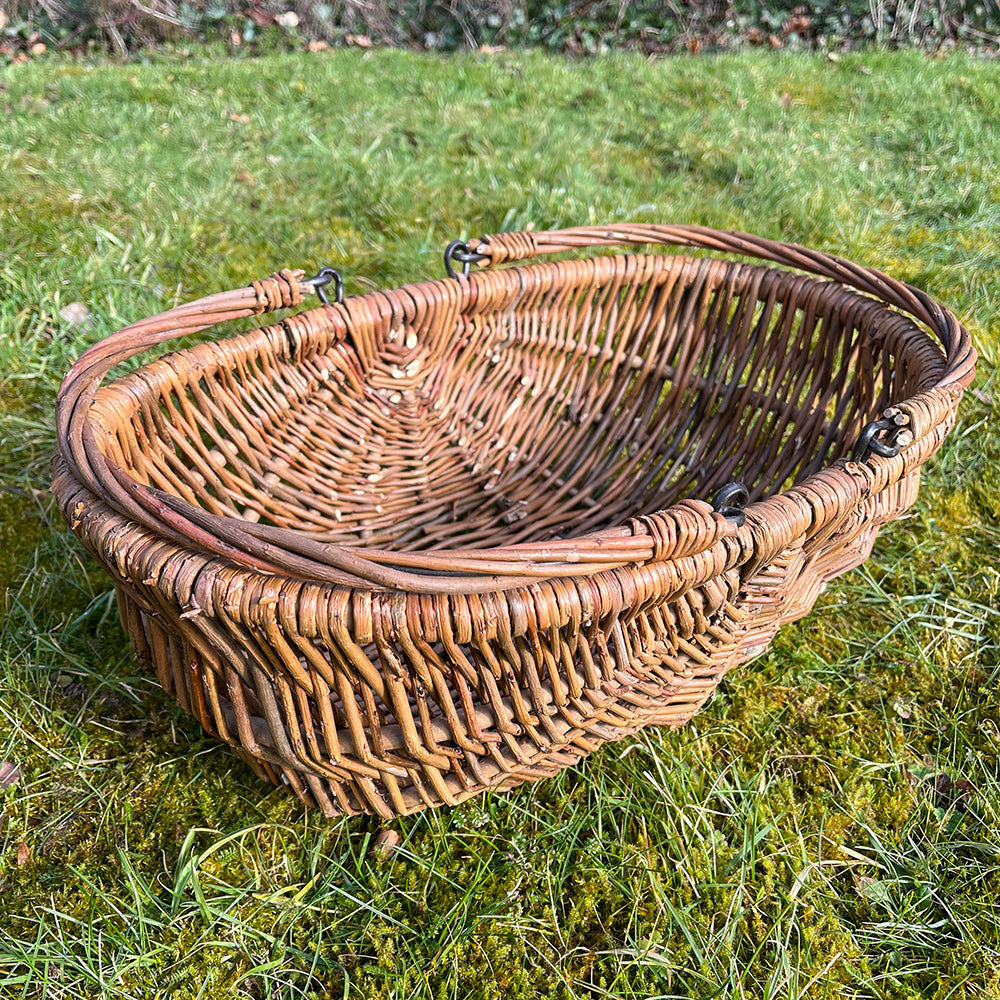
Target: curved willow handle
(80,385)
(76,440)
(959,352)
(687,529)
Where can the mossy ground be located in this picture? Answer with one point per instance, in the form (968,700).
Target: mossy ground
(829,826)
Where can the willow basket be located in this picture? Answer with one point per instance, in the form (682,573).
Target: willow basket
(454,536)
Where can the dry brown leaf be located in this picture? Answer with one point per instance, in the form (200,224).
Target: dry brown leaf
(797,24)
(10,773)
(361,41)
(386,842)
(23,854)
(260,17)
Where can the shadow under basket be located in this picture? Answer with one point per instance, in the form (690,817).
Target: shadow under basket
(415,544)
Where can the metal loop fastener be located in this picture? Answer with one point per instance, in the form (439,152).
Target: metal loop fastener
(869,443)
(730,501)
(321,280)
(461,252)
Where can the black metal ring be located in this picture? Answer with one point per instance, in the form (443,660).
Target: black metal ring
(321,280)
(868,442)
(730,501)
(457,250)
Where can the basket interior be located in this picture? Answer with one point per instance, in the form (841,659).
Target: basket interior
(532,403)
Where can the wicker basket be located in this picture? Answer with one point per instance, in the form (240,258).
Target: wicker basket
(420,543)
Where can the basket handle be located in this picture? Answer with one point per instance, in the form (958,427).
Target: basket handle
(657,537)
(280,291)
(77,442)
(957,344)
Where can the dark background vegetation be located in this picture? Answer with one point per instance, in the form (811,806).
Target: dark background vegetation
(576,27)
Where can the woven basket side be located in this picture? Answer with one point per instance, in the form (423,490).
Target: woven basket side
(368,701)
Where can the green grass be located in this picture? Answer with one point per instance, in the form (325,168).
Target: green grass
(828,827)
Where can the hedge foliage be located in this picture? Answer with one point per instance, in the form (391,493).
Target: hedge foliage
(576,27)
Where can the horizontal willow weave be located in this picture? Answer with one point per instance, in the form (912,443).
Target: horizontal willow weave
(457,535)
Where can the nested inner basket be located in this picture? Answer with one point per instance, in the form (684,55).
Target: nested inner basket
(530,403)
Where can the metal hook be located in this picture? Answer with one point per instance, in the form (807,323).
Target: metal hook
(730,501)
(321,280)
(457,250)
(868,442)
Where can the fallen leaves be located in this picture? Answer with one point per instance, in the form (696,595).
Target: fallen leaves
(944,791)
(757,37)
(903,707)
(260,17)
(10,775)
(798,24)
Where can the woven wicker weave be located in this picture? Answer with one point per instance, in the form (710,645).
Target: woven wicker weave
(455,536)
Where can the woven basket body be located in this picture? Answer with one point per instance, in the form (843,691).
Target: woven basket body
(455,536)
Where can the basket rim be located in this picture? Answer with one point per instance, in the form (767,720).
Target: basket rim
(153,375)
(688,527)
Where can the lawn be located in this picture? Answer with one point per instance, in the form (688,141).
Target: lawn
(829,826)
